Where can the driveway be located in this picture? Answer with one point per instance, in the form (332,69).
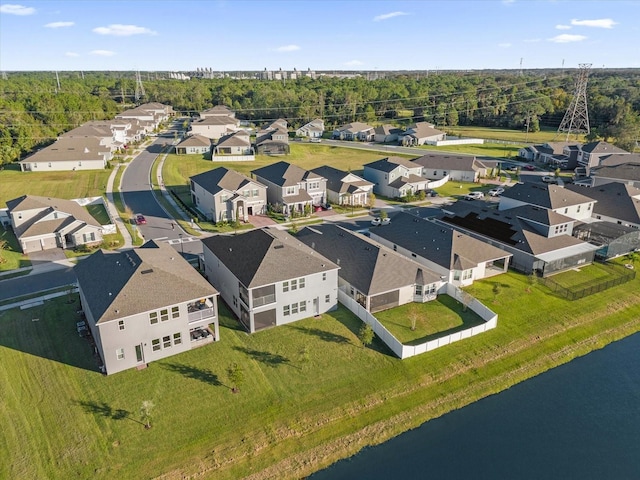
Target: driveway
(260,221)
(46,256)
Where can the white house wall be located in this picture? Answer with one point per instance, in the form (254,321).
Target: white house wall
(65,165)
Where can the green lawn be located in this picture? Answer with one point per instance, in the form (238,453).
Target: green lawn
(312,394)
(584,277)
(495,150)
(67,185)
(434,319)
(547,135)
(458,189)
(11,256)
(99,212)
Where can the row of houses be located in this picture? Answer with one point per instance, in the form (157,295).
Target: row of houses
(419,133)
(91,145)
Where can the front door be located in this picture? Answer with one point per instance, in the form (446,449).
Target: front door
(139,356)
(316,310)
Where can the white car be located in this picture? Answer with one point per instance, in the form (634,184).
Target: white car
(386,221)
(474,196)
(375,221)
(494,192)
(549,179)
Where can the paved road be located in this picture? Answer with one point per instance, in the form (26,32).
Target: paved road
(138,196)
(28,284)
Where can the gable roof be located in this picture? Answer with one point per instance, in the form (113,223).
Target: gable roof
(235,139)
(265,256)
(195,141)
(618,159)
(443,245)
(624,171)
(221,178)
(546,196)
(616,200)
(387,130)
(219,110)
(354,127)
(389,164)
(335,178)
(284,174)
(423,130)
(34,202)
(442,161)
(217,120)
(119,284)
(70,149)
(600,147)
(365,264)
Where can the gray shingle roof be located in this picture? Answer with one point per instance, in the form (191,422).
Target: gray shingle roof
(355,127)
(235,139)
(265,256)
(217,120)
(70,149)
(195,141)
(546,196)
(619,158)
(443,245)
(625,171)
(600,147)
(284,174)
(120,284)
(221,178)
(368,266)
(334,179)
(615,200)
(443,161)
(390,163)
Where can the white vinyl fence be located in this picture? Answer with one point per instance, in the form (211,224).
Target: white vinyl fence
(405,351)
(106,229)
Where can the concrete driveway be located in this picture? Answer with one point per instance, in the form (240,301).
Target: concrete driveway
(260,221)
(46,256)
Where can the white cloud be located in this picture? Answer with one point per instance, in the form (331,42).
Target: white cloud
(504,45)
(102,53)
(567,38)
(14,9)
(599,23)
(353,63)
(71,54)
(288,48)
(387,16)
(59,24)
(563,27)
(508,2)
(119,30)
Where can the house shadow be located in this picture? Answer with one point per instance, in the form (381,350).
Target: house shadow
(267,358)
(323,335)
(49,331)
(354,324)
(202,374)
(104,410)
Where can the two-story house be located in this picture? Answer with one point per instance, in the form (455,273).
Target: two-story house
(273,139)
(345,188)
(43,223)
(592,153)
(269,278)
(395,177)
(373,275)
(551,197)
(615,202)
(145,304)
(291,186)
(214,127)
(218,111)
(457,257)
(221,194)
(459,168)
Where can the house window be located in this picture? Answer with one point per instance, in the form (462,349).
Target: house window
(430,289)
(49,164)
(578,209)
(290,190)
(166,341)
(177,338)
(324,276)
(164,315)
(256,193)
(589,206)
(153,318)
(313,185)
(175,312)
(456,275)
(294,284)
(466,274)
(301,283)
(120,354)
(303,306)
(155,344)
(246,193)
(419,290)
(327,298)
(435,173)
(120,324)
(223,198)
(286,310)
(294,308)
(566,210)
(285,286)
(79,164)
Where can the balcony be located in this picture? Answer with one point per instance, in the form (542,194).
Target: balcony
(260,301)
(200,310)
(201,336)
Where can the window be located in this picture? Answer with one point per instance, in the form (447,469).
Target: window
(294,284)
(301,283)
(578,209)
(290,190)
(155,344)
(466,275)
(246,193)
(120,354)
(285,286)
(166,341)
(175,312)
(456,275)
(164,315)
(566,210)
(286,310)
(223,198)
(294,308)
(153,318)
(313,185)
(177,338)
(120,324)
(324,276)
(327,298)
(303,306)
(419,290)
(49,164)
(256,193)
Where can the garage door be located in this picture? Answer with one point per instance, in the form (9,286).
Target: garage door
(32,246)
(49,243)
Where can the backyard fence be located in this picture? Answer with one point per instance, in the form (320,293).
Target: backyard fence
(581,291)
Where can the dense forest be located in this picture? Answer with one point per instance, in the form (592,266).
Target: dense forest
(35,109)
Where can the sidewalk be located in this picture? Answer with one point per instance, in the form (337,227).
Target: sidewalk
(113,211)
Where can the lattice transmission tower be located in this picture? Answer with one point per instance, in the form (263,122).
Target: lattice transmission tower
(139,87)
(576,118)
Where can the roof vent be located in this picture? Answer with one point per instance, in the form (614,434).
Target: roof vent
(337,262)
(149,270)
(278,246)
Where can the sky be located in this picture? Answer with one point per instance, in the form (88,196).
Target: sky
(230,35)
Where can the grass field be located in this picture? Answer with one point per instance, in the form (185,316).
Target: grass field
(443,316)
(493,150)
(545,135)
(11,257)
(67,185)
(99,212)
(312,394)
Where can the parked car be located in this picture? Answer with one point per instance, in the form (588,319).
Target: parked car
(386,221)
(315,140)
(494,192)
(508,166)
(327,206)
(549,179)
(375,221)
(431,193)
(531,168)
(474,196)
(140,220)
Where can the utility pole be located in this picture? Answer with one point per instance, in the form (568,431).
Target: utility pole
(139,87)
(576,119)
(57,82)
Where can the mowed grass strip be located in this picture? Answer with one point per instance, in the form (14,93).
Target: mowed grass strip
(312,394)
(11,256)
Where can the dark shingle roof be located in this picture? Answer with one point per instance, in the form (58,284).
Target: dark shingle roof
(600,147)
(615,200)
(443,245)
(120,284)
(195,141)
(625,171)
(368,266)
(334,178)
(265,256)
(546,196)
(284,174)
(390,163)
(442,161)
(221,178)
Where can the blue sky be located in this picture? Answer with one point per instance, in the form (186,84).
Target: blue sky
(322,35)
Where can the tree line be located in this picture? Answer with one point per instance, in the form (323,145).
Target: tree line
(34,110)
